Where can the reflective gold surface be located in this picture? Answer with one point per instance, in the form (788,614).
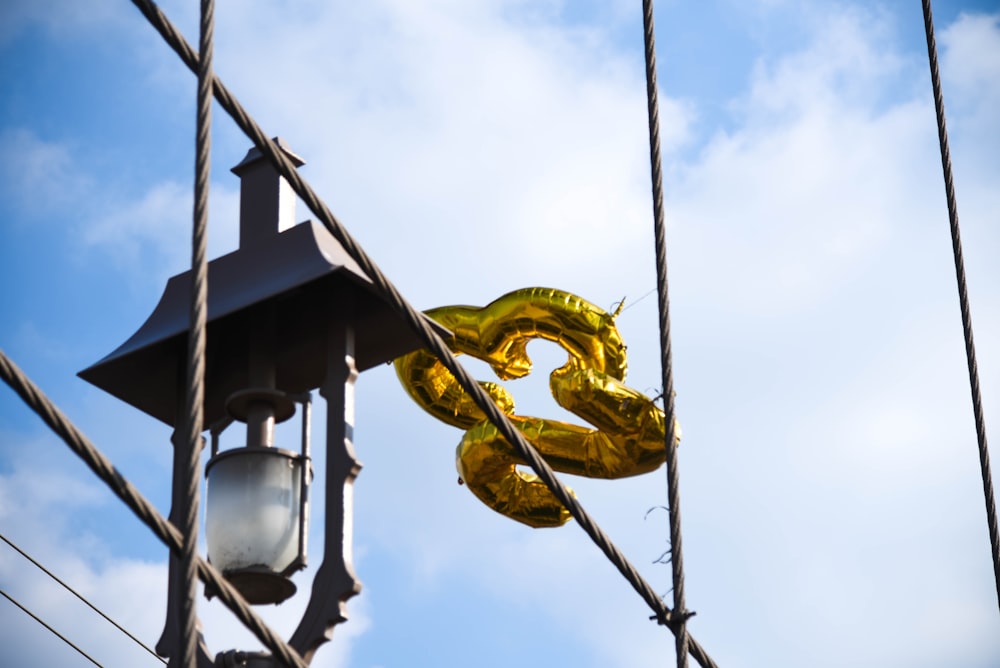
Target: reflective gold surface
(626,436)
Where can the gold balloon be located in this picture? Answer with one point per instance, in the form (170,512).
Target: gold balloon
(627,434)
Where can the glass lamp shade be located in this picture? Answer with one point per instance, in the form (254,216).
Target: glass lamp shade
(254,520)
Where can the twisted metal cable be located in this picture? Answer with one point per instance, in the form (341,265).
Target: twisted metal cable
(666,361)
(195,388)
(420,324)
(143,509)
(963,295)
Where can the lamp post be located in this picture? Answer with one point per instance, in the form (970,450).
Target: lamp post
(288,312)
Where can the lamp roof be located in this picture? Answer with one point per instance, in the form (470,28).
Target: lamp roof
(299,279)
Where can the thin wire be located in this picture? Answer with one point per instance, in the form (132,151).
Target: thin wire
(634,302)
(138,504)
(666,362)
(80,596)
(963,296)
(420,324)
(54,632)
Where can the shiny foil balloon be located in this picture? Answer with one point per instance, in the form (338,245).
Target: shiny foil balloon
(626,433)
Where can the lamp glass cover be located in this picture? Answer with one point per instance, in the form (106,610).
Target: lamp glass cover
(252,509)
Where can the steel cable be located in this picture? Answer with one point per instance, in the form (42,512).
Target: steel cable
(666,361)
(419,323)
(144,510)
(195,388)
(963,295)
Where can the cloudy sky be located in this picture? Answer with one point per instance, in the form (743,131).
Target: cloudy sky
(832,502)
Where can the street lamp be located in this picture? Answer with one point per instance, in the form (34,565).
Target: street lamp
(288,312)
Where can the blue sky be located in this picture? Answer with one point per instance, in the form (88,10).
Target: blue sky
(832,503)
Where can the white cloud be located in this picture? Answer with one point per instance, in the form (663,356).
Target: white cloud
(154,231)
(463,146)
(45,509)
(817,208)
(811,188)
(147,233)
(970,50)
(462,120)
(154,220)
(970,67)
(40,176)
